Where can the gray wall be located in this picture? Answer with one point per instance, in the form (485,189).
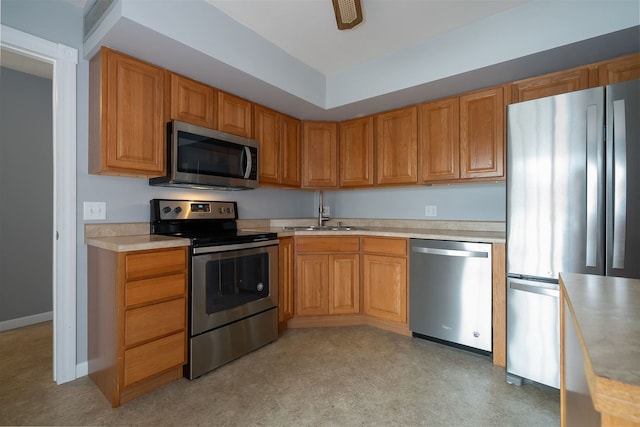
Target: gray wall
(26,217)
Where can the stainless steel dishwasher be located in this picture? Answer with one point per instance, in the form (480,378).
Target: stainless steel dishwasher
(450,293)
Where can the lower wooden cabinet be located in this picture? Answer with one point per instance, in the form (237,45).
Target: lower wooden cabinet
(137,320)
(327,276)
(385,278)
(286,260)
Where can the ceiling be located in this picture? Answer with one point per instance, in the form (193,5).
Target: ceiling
(307,30)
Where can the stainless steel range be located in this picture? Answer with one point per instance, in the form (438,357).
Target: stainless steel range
(233,281)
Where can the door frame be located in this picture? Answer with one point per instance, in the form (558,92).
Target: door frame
(64,60)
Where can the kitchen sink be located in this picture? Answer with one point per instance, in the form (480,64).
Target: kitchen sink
(323,228)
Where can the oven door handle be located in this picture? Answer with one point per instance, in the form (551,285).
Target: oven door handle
(234,247)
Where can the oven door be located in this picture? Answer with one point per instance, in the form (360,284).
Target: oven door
(231,282)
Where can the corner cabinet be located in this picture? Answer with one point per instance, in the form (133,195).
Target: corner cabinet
(319,155)
(137,325)
(396,142)
(327,276)
(355,139)
(385,278)
(482,134)
(126,116)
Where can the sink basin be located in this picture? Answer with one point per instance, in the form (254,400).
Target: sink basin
(324,228)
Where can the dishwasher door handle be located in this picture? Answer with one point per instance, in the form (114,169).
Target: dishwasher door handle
(550,290)
(450,252)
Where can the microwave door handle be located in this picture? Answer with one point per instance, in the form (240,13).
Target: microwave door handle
(248,161)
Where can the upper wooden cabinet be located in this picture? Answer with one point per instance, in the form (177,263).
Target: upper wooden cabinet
(189,101)
(356,152)
(319,154)
(619,70)
(396,142)
(290,151)
(234,115)
(482,138)
(279,139)
(439,138)
(126,116)
(550,84)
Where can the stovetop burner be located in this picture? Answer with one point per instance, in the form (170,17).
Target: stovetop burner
(205,223)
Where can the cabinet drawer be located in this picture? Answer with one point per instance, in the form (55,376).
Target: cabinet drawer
(154,357)
(157,288)
(387,246)
(151,263)
(328,244)
(154,320)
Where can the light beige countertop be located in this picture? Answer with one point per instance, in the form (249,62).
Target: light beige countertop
(606,311)
(122,237)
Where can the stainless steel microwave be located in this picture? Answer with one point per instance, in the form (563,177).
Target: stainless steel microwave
(199,157)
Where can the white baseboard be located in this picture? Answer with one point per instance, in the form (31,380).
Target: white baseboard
(82,369)
(25,321)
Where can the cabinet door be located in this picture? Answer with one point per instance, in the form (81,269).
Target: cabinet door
(267,132)
(439,137)
(482,134)
(619,70)
(550,84)
(286,277)
(344,283)
(356,152)
(319,153)
(190,101)
(127,131)
(290,151)
(385,287)
(312,290)
(234,115)
(397,146)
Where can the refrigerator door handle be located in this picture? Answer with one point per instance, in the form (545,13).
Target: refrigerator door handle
(592,186)
(619,184)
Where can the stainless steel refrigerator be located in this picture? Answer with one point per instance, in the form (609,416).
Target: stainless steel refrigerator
(573,205)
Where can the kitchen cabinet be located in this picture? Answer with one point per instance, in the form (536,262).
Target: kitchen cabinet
(550,84)
(279,139)
(137,320)
(234,115)
(355,139)
(319,154)
(327,276)
(286,270)
(482,134)
(439,138)
(126,116)
(619,70)
(189,101)
(385,278)
(396,145)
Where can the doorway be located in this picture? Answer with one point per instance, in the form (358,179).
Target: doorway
(63,60)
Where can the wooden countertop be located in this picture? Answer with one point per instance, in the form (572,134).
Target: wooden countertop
(606,311)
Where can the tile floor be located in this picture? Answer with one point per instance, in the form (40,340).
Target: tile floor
(347,376)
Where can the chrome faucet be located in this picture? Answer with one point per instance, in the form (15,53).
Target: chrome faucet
(321,218)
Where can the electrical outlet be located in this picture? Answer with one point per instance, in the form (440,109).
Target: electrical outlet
(430,210)
(95,210)
(326,211)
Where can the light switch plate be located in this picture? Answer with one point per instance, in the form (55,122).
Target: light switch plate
(326,211)
(95,210)
(430,210)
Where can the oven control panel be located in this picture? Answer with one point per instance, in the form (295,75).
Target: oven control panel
(193,209)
